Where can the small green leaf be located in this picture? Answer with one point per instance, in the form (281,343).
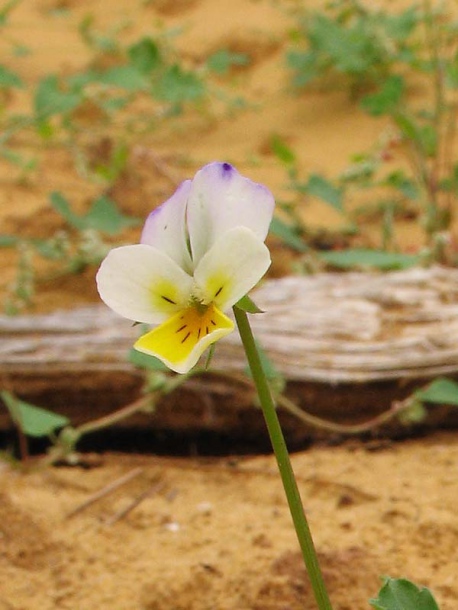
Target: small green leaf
(401,26)
(317,186)
(407,126)
(287,234)
(415,413)
(306,65)
(387,99)
(144,55)
(77,82)
(9,79)
(124,77)
(51,98)
(177,85)
(248,305)
(362,258)
(62,206)
(145,361)
(281,150)
(222,61)
(48,248)
(32,420)
(7,241)
(104,216)
(404,185)
(440,391)
(25,163)
(401,594)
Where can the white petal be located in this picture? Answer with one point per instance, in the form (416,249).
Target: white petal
(220,199)
(165,227)
(231,268)
(143,284)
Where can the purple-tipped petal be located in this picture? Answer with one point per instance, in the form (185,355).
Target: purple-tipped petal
(165,228)
(220,199)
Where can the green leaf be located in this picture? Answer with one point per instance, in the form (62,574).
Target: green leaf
(422,135)
(77,82)
(124,77)
(51,98)
(62,206)
(178,86)
(305,64)
(401,26)
(287,234)
(282,151)
(440,391)
(415,413)
(387,99)
(362,258)
(401,594)
(145,361)
(407,127)
(104,216)
(248,305)
(144,55)
(25,163)
(404,185)
(348,48)
(222,61)
(317,186)
(9,78)
(8,241)
(48,248)
(32,420)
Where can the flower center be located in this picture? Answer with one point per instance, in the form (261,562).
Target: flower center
(198,304)
(195,322)
(176,340)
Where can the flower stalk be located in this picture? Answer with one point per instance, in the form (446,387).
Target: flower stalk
(284,463)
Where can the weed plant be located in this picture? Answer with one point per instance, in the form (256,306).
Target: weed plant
(123,93)
(404,68)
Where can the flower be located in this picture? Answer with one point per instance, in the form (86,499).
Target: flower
(200,252)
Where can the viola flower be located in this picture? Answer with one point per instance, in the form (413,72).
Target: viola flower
(200,252)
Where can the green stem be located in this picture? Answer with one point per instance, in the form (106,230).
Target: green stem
(284,463)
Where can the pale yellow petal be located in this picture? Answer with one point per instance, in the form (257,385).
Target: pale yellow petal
(231,268)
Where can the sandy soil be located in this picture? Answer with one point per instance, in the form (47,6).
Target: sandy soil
(208,533)
(217,533)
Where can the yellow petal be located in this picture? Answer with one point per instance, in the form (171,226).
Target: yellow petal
(181,340)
